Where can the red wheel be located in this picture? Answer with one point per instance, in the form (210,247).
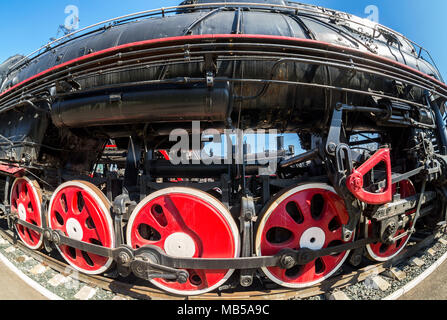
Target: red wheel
(383,252)
(26,200)
(185,222)
(308,216)
(82,212)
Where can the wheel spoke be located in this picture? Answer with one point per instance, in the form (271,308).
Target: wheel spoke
(175,220)
(304,206)
(284,221)
(308,271)
(271,249)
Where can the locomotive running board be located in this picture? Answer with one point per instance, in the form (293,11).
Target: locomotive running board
(10,169)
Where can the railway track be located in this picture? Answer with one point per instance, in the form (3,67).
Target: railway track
(138,290)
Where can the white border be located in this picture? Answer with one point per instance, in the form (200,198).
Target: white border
(105,211)
(416,281)
(33,284)
(209,199)
(39,244)
(264,221)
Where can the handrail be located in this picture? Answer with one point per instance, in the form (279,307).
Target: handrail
(165,10)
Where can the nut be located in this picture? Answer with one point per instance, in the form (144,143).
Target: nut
(182,277)
(288,262)
(124,257)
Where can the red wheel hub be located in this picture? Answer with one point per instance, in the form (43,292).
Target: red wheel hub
(186,222)
(384,252)
(26,200)
(308,216)
(81,212)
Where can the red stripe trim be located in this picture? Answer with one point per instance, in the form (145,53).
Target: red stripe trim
(225,36)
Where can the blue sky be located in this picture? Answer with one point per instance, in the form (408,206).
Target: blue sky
(27,25)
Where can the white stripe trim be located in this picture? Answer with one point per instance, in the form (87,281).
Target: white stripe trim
(416,281)
(33,284)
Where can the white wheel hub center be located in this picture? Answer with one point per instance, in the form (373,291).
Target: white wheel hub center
(22,212)
(74,229)
(313,239)
(180,245)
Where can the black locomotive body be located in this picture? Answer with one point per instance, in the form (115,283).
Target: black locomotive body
(86,158)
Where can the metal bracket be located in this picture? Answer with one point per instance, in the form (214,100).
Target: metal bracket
(248,213)
(355,181)
(339,162)
(147,266)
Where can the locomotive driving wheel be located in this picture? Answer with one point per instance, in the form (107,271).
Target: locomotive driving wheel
(187,223)
(26,201)
(82,212)
(381,252)
(307,216)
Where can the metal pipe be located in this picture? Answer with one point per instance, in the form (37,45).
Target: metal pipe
(162,105)
(300,158)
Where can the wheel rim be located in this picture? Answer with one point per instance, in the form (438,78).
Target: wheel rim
(381,252)
(185,222)
(81,212)
(26,200)
(308,216)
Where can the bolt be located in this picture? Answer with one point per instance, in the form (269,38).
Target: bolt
(348,235)
(246,281)
(47,234)
(356,259)
(331,148)
(124,257)
(357,183)
(288,261)
(182,277)
(56,238)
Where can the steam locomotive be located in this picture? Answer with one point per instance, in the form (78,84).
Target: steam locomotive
(89,164)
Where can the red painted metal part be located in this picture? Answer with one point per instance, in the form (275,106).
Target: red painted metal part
(177,213)
(11,169)
(297,41)
(333,215)
(25,201)
(355,181)
(90,219)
